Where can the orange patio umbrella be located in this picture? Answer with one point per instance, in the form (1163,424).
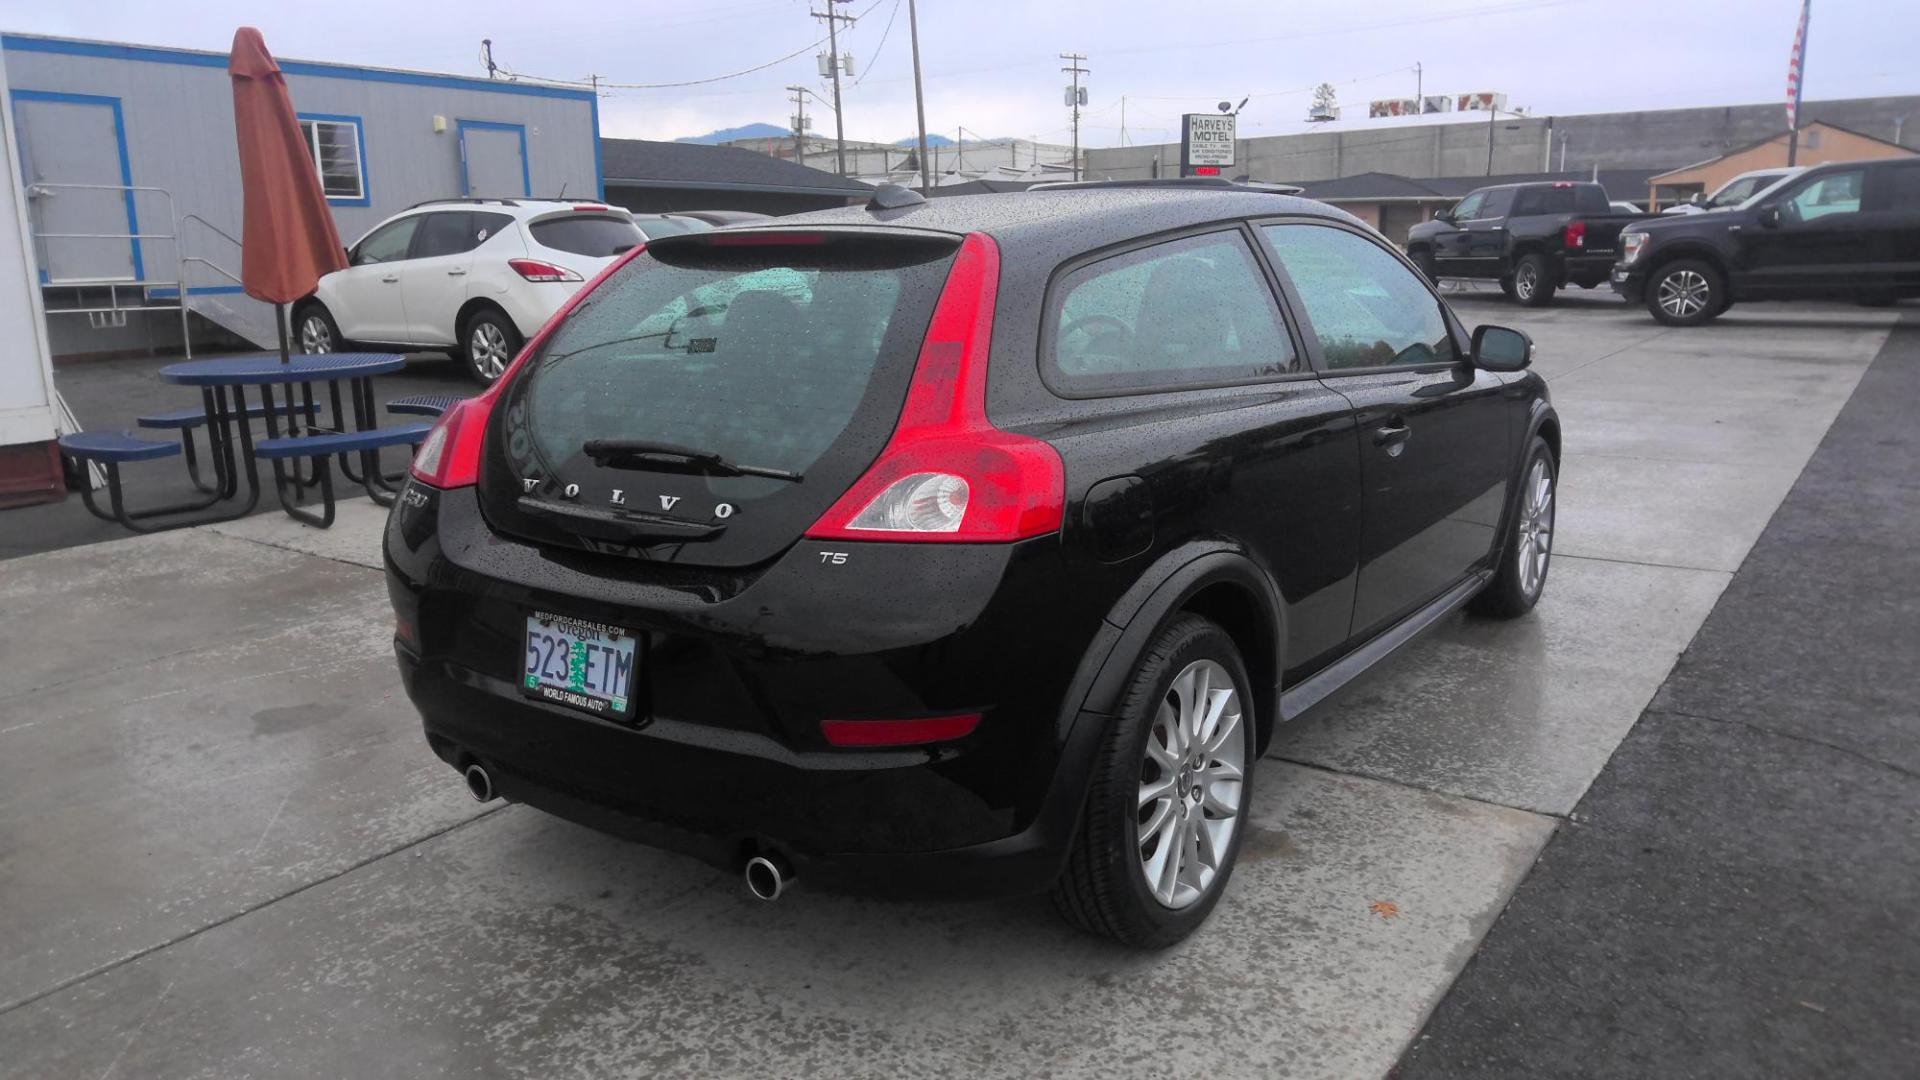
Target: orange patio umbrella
(288,240)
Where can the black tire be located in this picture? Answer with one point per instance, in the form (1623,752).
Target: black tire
(1686,292)
(1513,591)
(1423,262)
(488,343)
(1533,284)
(314,330)
(1506,286)
(1103,888)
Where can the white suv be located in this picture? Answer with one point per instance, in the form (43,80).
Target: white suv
(476,277)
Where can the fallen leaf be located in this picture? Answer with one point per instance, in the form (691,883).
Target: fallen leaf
(1386,909)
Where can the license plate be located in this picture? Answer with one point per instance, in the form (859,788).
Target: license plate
(583,665)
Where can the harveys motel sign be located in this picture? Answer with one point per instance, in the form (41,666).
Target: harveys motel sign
(1206,143)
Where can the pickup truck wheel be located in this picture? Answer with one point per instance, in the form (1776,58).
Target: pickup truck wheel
(1506,286)
(1533,283)
(1686,292)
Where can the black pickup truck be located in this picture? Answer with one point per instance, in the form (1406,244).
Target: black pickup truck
(1531,238)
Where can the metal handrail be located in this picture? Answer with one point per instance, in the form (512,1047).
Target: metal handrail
(215,267)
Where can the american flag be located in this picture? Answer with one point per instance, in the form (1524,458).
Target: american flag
(1794,66)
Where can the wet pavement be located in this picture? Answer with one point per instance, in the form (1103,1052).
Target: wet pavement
(225,849)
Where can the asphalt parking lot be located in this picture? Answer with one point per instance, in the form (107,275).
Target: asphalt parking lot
(225,849)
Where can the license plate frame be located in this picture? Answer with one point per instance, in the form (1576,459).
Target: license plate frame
(582,685)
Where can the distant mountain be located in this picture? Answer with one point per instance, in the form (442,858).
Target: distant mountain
(932,140)
(746,131)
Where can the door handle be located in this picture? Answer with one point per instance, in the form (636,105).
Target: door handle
(459,271)
(390,278)
(1392,435)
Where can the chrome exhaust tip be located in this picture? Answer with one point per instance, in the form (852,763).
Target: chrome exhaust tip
(479,784)
(767,877)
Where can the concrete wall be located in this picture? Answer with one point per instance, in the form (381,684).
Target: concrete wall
(1667,138)
(177,112)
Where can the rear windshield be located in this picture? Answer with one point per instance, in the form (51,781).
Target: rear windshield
(657,227)
(586,234)
(763,355)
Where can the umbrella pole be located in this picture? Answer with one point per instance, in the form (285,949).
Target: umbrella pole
(280,324)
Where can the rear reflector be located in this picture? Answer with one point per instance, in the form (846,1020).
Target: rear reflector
(535,270)
(948,475)
(899,732)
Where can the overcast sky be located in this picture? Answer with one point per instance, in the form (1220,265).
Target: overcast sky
(991,65)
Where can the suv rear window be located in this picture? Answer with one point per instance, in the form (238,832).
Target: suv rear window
(586,234)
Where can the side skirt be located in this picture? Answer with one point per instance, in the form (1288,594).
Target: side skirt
(1315,689)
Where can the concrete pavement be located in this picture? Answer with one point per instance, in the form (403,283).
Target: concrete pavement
(225,850)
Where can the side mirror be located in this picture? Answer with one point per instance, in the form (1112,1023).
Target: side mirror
(1699,199)
(1770,217)
(1444,215)
(1497,348)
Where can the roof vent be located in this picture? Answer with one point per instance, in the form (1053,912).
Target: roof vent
(894,197)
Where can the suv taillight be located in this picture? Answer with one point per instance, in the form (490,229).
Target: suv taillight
(948,474)
(1576,236)
(535,270)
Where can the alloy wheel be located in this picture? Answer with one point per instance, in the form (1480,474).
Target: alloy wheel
(1684,293)
(1536,528)
(1192,785)
(1525,280)
(487,346)
(315,336)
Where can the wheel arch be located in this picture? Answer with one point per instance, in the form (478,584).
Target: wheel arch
(473,306)
(1216,581)
(1689,249)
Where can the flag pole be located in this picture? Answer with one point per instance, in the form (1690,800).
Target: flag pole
(1796,78)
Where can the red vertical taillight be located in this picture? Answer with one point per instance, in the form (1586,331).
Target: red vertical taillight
(948,474)
(449,457)
(1576,235)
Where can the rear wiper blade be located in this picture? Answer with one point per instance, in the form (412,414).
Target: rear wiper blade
(626,453)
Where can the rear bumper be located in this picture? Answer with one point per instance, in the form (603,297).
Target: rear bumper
(726,758)
(852,825)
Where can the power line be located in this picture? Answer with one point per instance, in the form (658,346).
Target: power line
(888,29)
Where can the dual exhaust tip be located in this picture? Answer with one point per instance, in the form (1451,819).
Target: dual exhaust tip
(768,875)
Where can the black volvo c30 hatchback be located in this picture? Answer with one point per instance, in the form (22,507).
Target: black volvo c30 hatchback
(965,547)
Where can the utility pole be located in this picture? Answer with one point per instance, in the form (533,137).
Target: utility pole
(1419,88)
(1123,120)
(486,56)
(1076,97)
(919,96)
(834,19)
(799,124)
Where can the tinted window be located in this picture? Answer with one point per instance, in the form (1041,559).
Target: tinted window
(445,234)
(1366,307)
(764,359)
(487,225)
(387,243)
(1498,204)
(1185,312)
(586,234)
(1903,189)
(1591,200)
(1833,193)
(1466,208)
(1545,200)
(657,227)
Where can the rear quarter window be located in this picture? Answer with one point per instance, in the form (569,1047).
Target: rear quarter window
(586,234)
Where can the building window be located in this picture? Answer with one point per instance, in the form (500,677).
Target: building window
(335,147)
